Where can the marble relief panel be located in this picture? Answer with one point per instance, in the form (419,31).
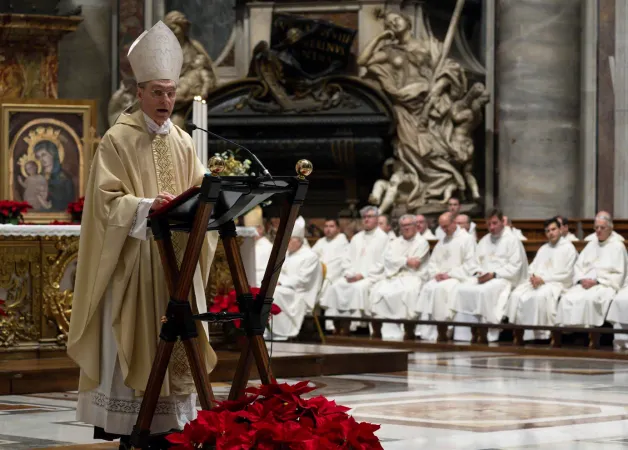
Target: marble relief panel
(212,22)
(130,26)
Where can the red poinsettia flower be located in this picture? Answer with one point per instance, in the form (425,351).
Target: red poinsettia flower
(322,410)
(350,434)
(2,311)
(283,391)
(235,405)
(193,434)
(274,435)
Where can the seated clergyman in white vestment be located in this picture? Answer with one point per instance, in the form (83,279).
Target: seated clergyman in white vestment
(502,266)
(331,252)
(298,286)
(598,275)
(516,231)
(453,260)
(423,229)
(463,221)
(405,266)
(614,235)
(383,222)
(564,229)
(534,302)
(363,265)
(263,247)
(142,162)
(453,205)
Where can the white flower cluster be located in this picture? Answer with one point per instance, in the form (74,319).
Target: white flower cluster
(233,166)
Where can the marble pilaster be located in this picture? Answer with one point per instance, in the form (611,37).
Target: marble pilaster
(588,109)
(85,57)
(537,78)
(605,105)
(619,80)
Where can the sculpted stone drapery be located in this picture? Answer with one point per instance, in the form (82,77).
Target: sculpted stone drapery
(436,113)
(198,75)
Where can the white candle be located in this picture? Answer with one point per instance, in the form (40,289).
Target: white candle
(204,126)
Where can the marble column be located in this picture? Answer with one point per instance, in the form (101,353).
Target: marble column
(619,80)
(537,78)
(85,57)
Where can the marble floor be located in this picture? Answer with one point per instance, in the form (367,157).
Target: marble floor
(446,400)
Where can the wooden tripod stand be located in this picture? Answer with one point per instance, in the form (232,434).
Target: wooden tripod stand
(213,206)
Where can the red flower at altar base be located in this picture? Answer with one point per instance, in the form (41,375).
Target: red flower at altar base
(12,211)
(273,417)
(229,303)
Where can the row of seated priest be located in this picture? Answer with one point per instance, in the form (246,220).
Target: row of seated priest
(377,275)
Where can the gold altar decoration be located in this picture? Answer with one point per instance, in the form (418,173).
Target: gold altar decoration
(29,53)
(57,302)
(36,279)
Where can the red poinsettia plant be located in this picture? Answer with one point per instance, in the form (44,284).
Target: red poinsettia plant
(2,311)
(229,303)
(75,209)
(12,211)
(274,416)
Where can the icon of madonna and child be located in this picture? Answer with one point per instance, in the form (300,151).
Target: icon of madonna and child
(41,178)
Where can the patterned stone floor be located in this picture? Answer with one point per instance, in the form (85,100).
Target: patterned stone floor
(446,400)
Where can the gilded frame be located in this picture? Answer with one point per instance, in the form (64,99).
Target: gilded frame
(78,133)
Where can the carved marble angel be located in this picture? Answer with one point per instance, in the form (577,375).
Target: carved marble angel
(424,86)
(198,75)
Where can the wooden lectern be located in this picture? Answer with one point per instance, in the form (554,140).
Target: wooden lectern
(213,206)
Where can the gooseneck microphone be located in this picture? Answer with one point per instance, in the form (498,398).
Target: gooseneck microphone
(191,126)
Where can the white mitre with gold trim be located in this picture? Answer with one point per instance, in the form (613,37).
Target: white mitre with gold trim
(156,55)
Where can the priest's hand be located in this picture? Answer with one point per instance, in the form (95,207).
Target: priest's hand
(354,278)
(413,263)
(161,200)
(536,281)
(588,283)
(441,277)
(485,278)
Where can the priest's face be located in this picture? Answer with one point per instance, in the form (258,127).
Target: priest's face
(564,229)
(495,226)
(407,228)
(294,244)
(447,225)
(602,229)
(369,221)
(331,229)
(157,99)
(382,222)
(454,206)
(553,233)
(421,223)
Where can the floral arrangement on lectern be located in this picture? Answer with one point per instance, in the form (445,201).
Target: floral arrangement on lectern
(229,303)
(274,416)
(233,166)
(11,212)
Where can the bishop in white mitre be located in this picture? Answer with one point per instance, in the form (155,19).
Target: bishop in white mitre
(502,265)
(534,302)
(299,282)
(423,229)
(405,267)
(599,273)
(363,266)
(263,246)
(452,261)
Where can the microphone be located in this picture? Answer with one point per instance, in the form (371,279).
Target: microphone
(191,126)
